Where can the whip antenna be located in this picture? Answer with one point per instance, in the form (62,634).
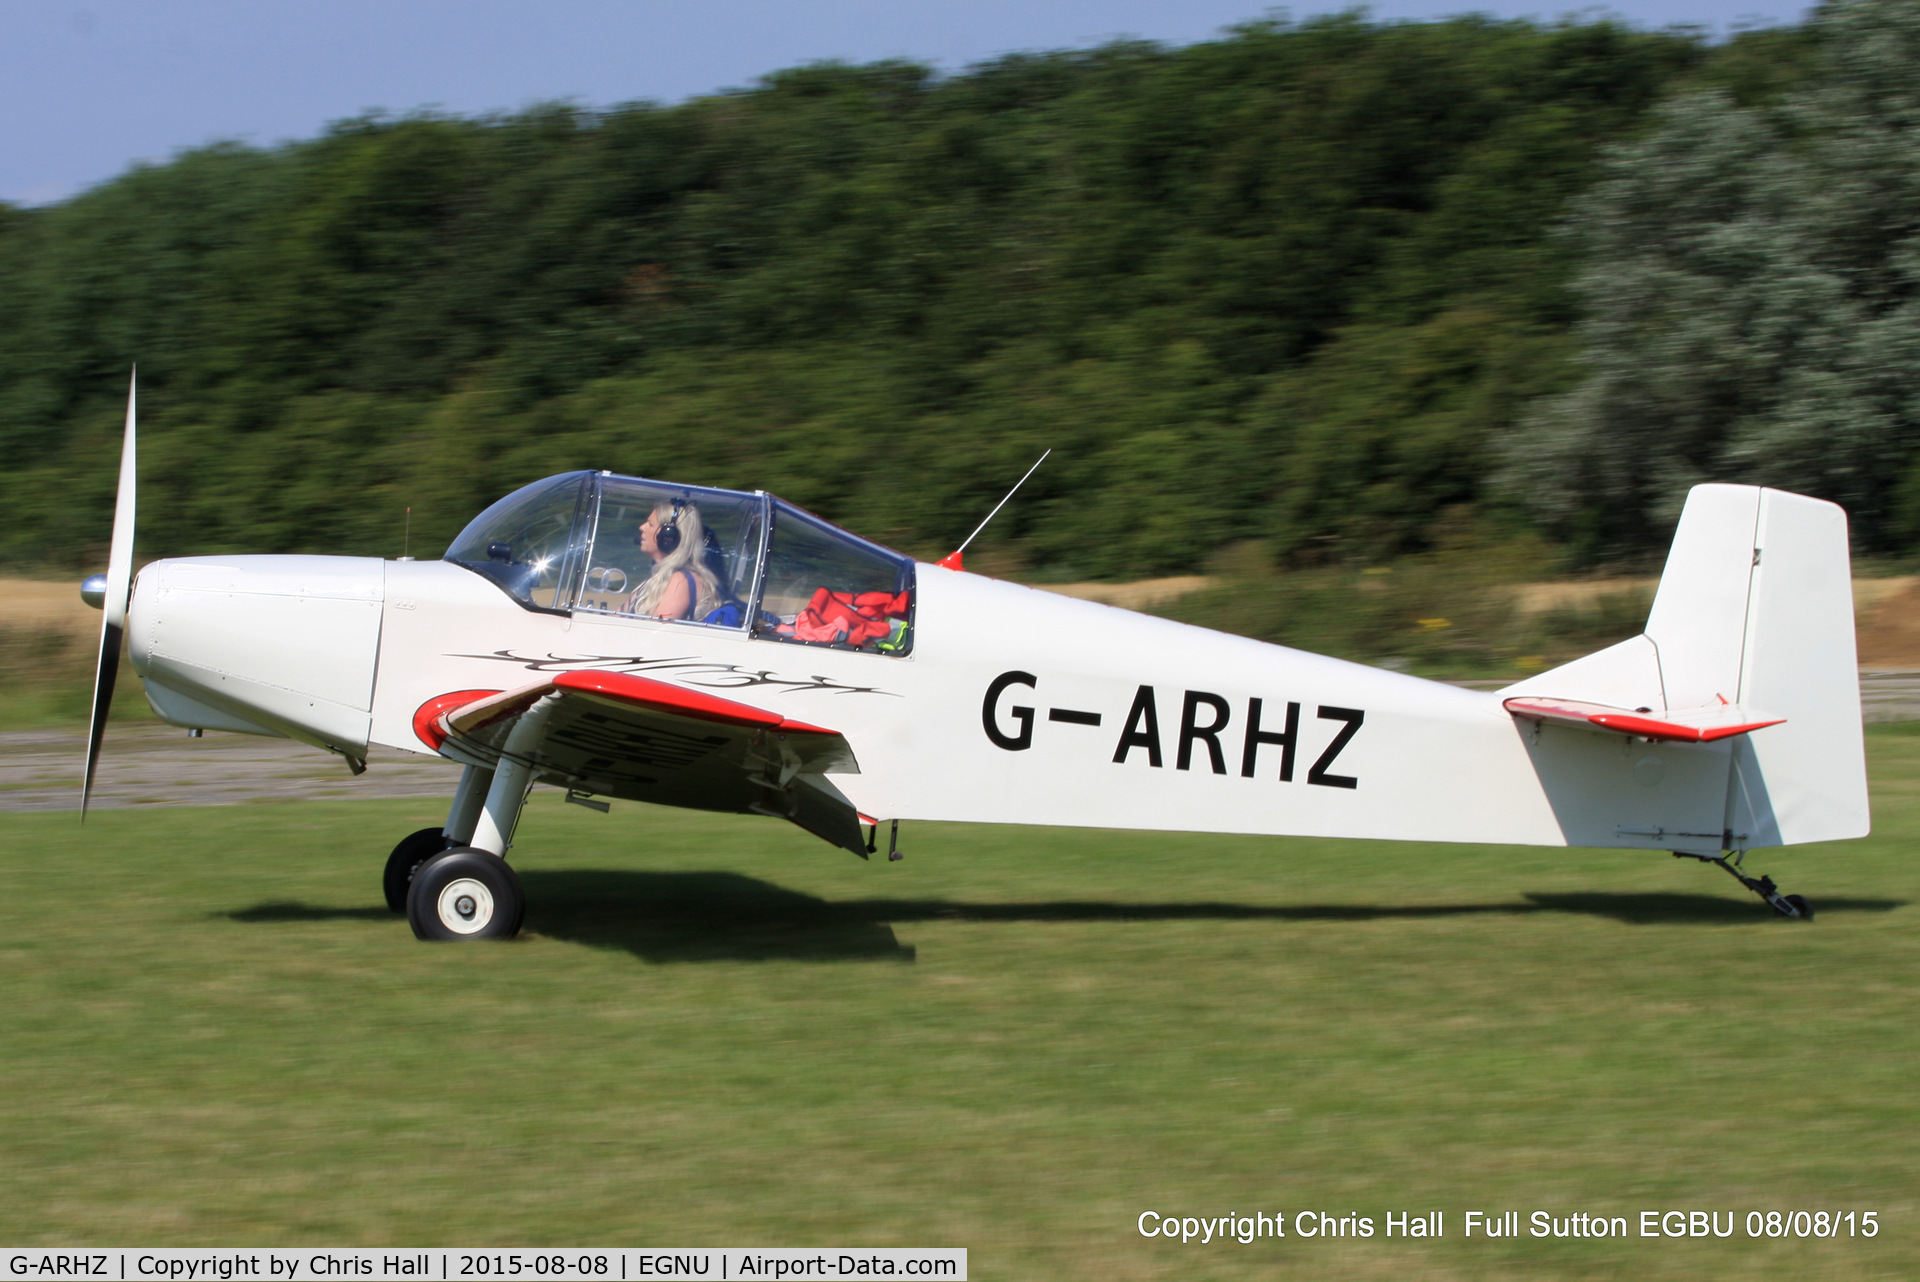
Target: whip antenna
(951,561)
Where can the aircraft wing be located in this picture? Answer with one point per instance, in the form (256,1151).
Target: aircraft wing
(1688,725)
(620,735)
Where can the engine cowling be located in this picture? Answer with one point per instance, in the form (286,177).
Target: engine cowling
(276,645)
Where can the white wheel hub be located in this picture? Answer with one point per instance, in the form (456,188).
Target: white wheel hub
(465,906)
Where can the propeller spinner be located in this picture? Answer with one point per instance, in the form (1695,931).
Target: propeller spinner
(115,591)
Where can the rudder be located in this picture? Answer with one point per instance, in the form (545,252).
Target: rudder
(1755,607)
(1805,780)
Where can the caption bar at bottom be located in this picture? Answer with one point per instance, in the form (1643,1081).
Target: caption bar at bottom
(440,1264)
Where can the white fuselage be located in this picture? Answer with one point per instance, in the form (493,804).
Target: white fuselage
(1099,717)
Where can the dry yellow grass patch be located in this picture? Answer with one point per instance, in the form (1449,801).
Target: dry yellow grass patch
(1142,594)
(37,605)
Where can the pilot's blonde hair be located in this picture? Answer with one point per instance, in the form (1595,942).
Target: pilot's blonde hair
(689,556)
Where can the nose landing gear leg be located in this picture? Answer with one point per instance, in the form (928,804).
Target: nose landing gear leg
(1793,907)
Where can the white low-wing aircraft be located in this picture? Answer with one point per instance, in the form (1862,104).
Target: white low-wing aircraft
(803,672)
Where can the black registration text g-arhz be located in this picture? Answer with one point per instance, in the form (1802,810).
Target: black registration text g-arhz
(1204,718)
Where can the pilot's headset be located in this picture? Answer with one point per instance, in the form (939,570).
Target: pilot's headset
(667,538)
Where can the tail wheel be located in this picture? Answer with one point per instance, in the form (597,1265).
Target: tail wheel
(465,893)
(414,849)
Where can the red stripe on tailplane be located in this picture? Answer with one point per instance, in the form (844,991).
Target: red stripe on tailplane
(661,696)
(1715,721)
(1650,729)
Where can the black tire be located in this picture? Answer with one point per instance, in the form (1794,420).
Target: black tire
(463,894)
(413,850)
(1801,906)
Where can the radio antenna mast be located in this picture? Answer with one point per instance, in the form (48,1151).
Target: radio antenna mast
(951,561)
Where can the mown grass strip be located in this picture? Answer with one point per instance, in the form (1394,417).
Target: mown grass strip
(1016,1040)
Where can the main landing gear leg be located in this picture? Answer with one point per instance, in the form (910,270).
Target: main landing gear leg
(467,800)
(468,891)
(1793,907)
(499,811)
(418,847)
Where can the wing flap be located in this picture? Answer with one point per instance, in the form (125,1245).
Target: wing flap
(1688,725)
(813,803)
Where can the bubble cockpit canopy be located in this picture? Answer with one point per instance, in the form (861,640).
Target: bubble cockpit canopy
(526,543)
(591,543)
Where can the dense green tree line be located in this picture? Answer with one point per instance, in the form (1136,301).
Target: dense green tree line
(1297,289)
(1751,293)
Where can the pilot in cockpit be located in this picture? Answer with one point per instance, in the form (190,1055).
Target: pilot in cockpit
(681,585)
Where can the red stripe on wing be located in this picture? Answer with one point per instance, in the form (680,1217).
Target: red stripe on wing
(645,692)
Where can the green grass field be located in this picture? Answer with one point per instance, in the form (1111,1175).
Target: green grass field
(718,1031)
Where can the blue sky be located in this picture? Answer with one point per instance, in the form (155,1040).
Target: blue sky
(91,87)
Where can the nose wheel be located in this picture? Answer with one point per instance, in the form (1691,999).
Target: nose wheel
(465,893)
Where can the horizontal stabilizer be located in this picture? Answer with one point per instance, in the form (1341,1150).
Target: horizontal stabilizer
(1688,725)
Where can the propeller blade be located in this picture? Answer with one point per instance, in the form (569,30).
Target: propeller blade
(113,624)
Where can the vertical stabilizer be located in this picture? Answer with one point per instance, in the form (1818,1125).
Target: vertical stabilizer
(1753,621)
(1700,612)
